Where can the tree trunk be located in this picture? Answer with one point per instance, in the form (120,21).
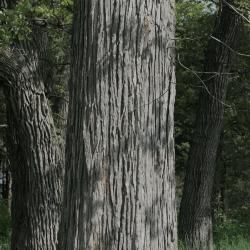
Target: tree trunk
(7,183)
(4,160)
(216,206)
(195,225)
(36,160)
(120,183)
(219,197)
(6,192)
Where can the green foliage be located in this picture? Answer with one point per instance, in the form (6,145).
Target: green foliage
(13,25)
(17,23)
(230,230)
(240,243)
(4,244)
(231,234)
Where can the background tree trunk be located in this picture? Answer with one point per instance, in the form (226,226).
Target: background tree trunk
(36,158)
(195,224)
(5,169)
(219,196)
(120,183)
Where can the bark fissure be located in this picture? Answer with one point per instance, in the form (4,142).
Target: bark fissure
(122,122)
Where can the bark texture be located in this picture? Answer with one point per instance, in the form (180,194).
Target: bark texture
(219,196)
(35,157)
(36,161)
(120,183)
(195,224)
(6,178)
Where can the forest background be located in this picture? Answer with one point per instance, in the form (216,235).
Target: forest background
(195,22)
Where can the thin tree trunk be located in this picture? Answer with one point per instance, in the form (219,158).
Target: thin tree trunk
(5,169)
(195,224)
(216,205)
(120,183)
(4,160)
(219,198)
(6,182)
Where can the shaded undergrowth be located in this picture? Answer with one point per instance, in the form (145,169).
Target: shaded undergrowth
(229,234)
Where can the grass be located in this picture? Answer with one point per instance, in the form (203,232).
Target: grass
(239,243)
(229,234)
(4,244)
(232,233)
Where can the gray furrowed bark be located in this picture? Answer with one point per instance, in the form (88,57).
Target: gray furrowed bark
(119,181)
(35,156)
